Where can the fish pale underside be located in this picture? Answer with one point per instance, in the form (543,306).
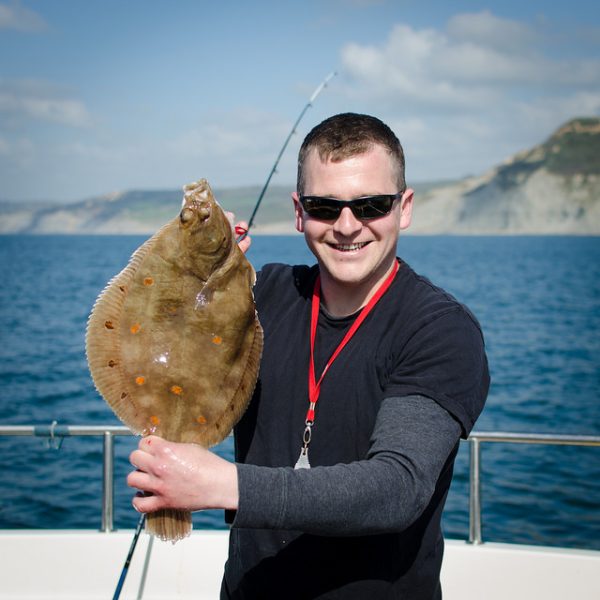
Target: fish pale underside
(173,342)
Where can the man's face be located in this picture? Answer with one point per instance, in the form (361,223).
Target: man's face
(351,251)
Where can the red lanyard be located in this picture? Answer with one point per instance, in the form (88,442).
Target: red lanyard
(314,386)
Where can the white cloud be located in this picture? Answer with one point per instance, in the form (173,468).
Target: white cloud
(229,149)
(462,65)
(234,148)
(20,159)
(466,96)
(241,131)
(550,111)
(17,17)
(486,29)
(21,100)
(406,70)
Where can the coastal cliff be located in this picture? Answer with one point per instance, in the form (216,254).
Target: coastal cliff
(552,188)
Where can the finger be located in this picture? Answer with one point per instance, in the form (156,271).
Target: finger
(243,239)
(144,503)
(140,459)
(140,481)
(244,244)
(150,443)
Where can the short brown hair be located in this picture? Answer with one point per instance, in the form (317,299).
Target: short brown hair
(348,134)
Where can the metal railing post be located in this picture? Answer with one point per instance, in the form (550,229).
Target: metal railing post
(475,492)
(107,482)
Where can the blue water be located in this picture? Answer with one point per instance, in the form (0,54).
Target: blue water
(537,298)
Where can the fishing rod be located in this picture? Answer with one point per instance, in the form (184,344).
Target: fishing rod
(125,569)
(322,85)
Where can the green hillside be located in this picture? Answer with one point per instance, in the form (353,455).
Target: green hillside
(575,148)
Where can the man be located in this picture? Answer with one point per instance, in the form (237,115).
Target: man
(369,377)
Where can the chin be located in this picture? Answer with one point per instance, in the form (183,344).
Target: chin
(348,274)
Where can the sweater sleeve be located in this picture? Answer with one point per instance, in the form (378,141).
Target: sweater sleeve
(387,491)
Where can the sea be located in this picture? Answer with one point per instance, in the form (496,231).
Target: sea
(537,299)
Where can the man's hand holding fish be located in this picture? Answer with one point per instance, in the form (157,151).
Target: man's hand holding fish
(176,475)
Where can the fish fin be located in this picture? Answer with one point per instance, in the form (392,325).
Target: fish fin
(169,525)
(103,339)
(242,395)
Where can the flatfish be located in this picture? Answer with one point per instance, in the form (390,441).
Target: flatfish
(173,342)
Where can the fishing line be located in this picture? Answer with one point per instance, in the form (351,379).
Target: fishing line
(243,232)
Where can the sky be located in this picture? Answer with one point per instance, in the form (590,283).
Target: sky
(104,96)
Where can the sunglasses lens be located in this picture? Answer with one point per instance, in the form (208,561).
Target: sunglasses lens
(323,209)
(372,208)
(329,209)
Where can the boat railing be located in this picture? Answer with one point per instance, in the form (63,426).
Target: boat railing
(55,432)
(477,438)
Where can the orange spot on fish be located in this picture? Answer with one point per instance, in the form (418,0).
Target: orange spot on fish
(217,340)
(177,389)
(154,420)
(109,325)
(140,380)
(202,420)
(148,281)
(135,328)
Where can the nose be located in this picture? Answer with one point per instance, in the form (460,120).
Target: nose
(347,224)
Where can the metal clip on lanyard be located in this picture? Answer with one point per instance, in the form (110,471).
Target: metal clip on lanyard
(302,462)
(314,387)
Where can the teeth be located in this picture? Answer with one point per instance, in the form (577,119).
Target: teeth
(349,247)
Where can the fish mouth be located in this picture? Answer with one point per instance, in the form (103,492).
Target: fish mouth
(354,247)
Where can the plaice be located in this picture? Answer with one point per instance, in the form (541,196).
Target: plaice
(173,342)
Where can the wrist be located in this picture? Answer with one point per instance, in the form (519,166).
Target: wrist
(230,496)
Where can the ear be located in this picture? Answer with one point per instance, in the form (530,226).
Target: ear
(298,212)
(406,205)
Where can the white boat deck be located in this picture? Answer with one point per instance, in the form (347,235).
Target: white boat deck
(87,564)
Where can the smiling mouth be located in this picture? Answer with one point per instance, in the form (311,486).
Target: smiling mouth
(348,247)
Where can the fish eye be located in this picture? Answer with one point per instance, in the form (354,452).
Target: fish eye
(186,215)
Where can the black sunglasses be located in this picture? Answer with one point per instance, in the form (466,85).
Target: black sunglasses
(368,207)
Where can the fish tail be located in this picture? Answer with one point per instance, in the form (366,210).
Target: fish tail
(169,524)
